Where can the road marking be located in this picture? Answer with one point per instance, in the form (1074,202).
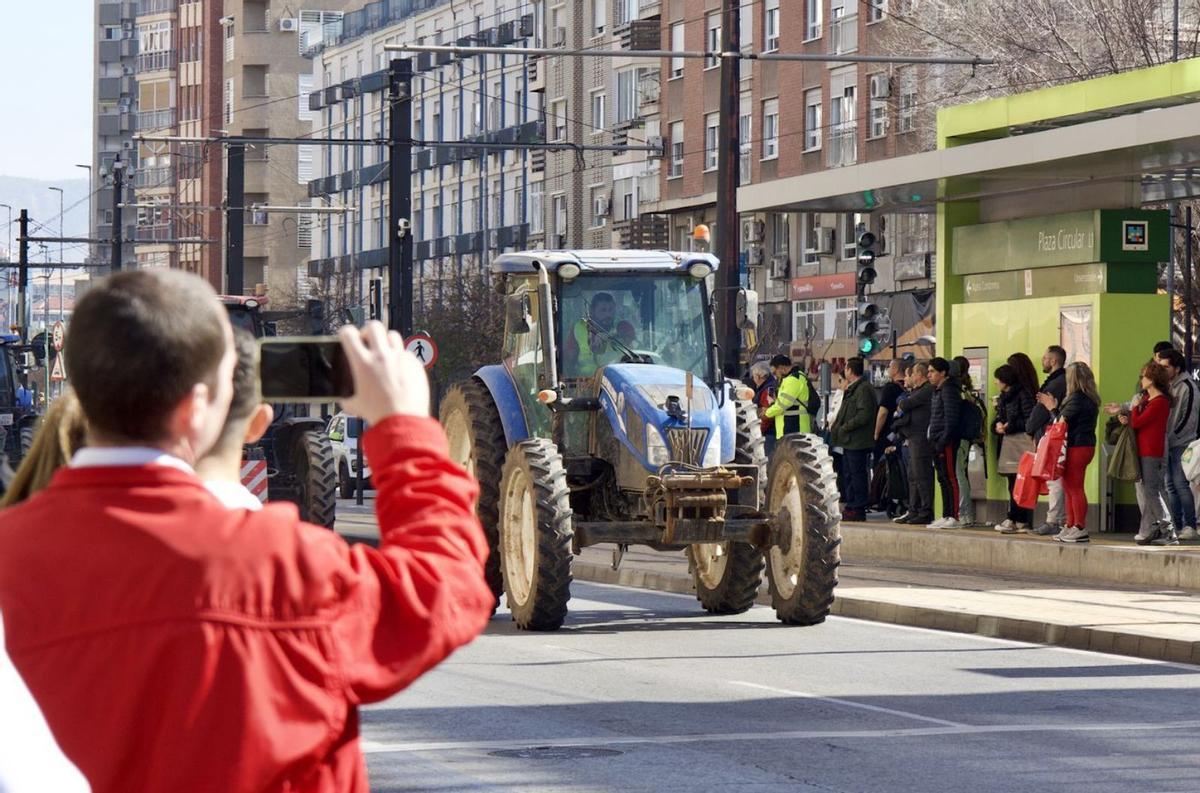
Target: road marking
(374,747)
(850,704)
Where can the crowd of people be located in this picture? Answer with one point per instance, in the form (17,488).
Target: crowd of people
(928,422)
(162,630)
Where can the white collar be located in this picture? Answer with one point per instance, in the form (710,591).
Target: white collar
(233,495)
(126,457)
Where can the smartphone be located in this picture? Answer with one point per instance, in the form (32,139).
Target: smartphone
(304,369)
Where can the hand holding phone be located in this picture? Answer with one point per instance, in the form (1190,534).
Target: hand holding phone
(388,380)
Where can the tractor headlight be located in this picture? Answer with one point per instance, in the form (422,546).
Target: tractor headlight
(568,271)
(712,453)
(700,270)
(657,453)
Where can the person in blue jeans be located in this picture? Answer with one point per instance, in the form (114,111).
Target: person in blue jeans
(1183,426)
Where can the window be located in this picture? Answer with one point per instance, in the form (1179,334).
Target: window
(228,101)
(850,225)
(628,93)
(746,24)
(256,152)
(712,126)
(770,132)
(745,137)
(908,100)
(677,46)
(812,21)
(598,17)
(304,227)
(625,11)
(781,233)
(598,119)
(810,224)
(878,112)
(316,27)
(843,124)
(843,319)
(304,163)
(714,40)
(808,320)
(676,169)
(600,207)
(558,120)
(304,87)
(255,81)
(812,119)
(534,216)
(256,217)
(875,10)
(560,215)
(771,26)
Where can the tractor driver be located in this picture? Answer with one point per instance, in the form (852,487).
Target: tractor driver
(590,344)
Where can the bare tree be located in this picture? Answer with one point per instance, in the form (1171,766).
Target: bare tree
(467,325)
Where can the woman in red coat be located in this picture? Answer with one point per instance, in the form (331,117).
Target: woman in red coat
(1149,422)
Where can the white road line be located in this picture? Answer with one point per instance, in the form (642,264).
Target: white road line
(373,747)
(850,704)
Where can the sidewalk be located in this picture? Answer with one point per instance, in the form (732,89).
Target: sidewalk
(1109,596)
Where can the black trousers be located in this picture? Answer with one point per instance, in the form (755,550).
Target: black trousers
(1016,513)
(920,479)
(944,461)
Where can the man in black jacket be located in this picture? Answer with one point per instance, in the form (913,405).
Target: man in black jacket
(1054,361)
(943,438)
(912,423)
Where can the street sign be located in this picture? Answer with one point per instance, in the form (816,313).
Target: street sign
(424,348)
(58,335)
(58,373)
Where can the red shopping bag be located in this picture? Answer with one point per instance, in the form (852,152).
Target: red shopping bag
(1050,450)
(1027,487)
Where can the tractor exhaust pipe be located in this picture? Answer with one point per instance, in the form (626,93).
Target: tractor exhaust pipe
(550,354)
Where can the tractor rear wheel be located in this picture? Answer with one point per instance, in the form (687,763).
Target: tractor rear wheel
(476,436)
(316,478)
(535,535)
(727,575)
(28,432)
(803,496)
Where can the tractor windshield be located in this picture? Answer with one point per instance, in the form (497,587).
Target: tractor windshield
(659,318)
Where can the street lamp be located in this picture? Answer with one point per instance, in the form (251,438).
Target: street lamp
(8,271)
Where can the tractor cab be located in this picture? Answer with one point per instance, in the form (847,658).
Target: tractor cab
(18,414)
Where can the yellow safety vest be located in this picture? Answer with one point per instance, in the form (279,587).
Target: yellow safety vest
(791,403)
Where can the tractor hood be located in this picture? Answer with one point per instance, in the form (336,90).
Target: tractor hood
(635,398)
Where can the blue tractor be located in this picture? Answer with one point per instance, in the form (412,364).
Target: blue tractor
(607,421)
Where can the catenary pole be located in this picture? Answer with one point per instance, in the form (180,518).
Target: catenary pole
(728,166)
(400,241)
(23,276)
(118,171)
(235,216)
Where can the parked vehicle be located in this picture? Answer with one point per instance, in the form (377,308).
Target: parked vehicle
(344,431)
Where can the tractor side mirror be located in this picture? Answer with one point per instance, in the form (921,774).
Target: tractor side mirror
(516,313)
(747,309)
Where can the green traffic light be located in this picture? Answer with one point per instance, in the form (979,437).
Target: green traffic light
(868,346)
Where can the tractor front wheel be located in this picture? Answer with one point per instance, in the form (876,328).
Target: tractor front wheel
(803,500)
(345,482)
(535,535)
(316,478)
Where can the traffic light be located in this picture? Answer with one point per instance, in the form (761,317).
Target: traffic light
(867,324)
(866,259)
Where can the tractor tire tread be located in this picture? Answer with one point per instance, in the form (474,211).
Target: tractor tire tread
(320,491)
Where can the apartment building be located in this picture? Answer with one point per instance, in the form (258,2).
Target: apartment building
(469,202)
(798,119)
(115,98)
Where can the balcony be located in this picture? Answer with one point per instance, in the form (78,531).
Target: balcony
(641,34)
(843,146)
(155,61)
(155,119)
(159,232)
(111,124)
(843,35)
(644,233)
(146,8)
(152,178)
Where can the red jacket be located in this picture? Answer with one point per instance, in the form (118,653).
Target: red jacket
(176,645)
(1149,422)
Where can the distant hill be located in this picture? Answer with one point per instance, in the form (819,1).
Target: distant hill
(42,203)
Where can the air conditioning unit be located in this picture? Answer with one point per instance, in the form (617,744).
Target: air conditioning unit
(825,240)
(604,206)
(881,86)
(779,267)
(752,231)
(755,256)
(289,24)
(659,145)
(559,38)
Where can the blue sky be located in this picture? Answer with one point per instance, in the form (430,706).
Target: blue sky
(46,89)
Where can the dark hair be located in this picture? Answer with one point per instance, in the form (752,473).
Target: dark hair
(1026,373)
(1174,358)
(963,370)
(247,392)
(939,365)
(855,365)
(781,360)
(1007,374)
(1059,353)
(140,341)
(602,297)
(1158,376)
(1163,345)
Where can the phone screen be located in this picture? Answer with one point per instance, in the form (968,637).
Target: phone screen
(308,369)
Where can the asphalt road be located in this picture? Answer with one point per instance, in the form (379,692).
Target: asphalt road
(642,691)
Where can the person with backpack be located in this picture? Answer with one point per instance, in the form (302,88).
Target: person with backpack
(912,424)
(971,435)
(854,431)
(797,401)
(1055,386)
(944,420)
(1183,427)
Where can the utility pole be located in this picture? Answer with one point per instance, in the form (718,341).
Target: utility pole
(1189,306)
(235,216)
(728,178)
(1175,35)
(118,170)
(23,276)
(400,241)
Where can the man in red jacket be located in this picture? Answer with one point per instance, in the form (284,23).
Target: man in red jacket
(176,645)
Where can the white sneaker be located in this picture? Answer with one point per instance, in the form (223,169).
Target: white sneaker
(937,524)
(1073,534)
(1007,527)
(1188,533)
(952,523)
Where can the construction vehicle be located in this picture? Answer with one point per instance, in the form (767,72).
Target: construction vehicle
(300,460)
(18,421)
(608,421)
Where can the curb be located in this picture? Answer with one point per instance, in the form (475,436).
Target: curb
(856,607)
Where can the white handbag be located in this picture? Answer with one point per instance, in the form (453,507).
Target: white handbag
(1191,461)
